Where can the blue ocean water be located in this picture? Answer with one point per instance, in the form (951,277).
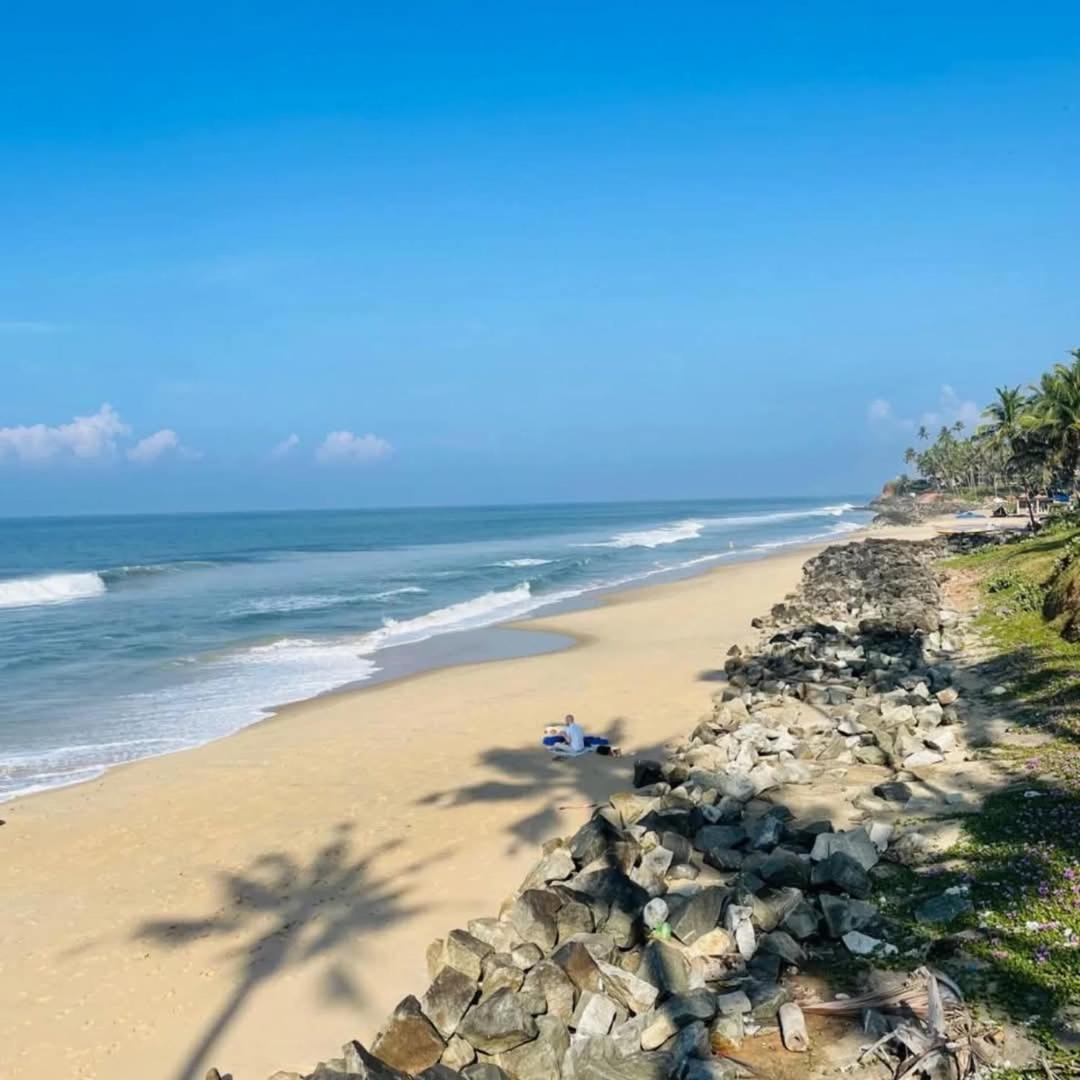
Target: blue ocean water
(124,637)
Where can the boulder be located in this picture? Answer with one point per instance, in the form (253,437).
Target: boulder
(555,988)
(465,952)
(843,915)
(666,968)
(698,915)
(542,1058)
(676,1013)
(358,1062)
(941,910)
(447,998)
(408,1041)
(498,1024)
(855,842)
(575,960)
(844,873)
(533,915)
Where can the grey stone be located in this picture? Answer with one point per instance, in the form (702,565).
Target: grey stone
(408,1041)
(772,906)
(533,915)
(465,952)
(498,1024)
(843,915)
(719,836)
(616,902)
(724,858)
(716,1069)
(941,910)
(855,843)
(801,922)
(525,955)
(633,993)
(448,997)
(765,832)
(676,1013)
(732,1004)
(842,871)
(542,1058)
(698,915)
(458,1053)
(484,1070)
(893,791)
(500,973)
(578,964)
(358,1062)
(574,918)
(595,1014)
(557,865)
(550,983)
(592,840)
(783,945)
(599,1059)
(666,968)
(500,935)
(784,867)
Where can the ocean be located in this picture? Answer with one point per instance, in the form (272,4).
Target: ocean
(127,637)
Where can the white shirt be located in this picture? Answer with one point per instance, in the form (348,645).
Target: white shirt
(575,736)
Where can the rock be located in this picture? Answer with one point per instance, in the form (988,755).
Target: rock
(675,1013)
(893,791)
(598,1059)
(763,777)
(465,952)
(526,955)
(458,1053)
(573,918)
(880,833)
(715,943)
(439,1071)
(447,998)
(765,832)
(358,1062)
(633,993)
(500,973)
(765,999)
(666,968)
(500,935)
(942,740)
(855,843)
(555,987)
(772,906)
(655,913)
(842,871)
(646,772)
(616,902)
(558,865)
(724,858)
(922,758)
(542,1058)
(732,1004)
(716,1069)
(941,910)
(595,1014)
(863,945)
(785,868)
(737,921)
(534,917)
(484,1070)
(949,696)
(578,964)
(719,836)
(698,915)
(408,1041)
(801,922)
(592,840)
(793,1028)
(498,1024)
(783,945)
(843,915)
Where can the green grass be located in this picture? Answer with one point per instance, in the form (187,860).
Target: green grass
(1020,857)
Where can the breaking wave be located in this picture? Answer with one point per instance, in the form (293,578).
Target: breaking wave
(50,589)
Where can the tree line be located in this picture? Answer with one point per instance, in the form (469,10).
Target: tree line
(1029,440)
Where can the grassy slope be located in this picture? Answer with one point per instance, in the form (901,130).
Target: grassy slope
(1020,858)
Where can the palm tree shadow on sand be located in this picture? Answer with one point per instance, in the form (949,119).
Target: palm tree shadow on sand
(293,913)
(530,775)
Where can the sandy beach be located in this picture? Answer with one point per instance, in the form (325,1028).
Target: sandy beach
(254,902)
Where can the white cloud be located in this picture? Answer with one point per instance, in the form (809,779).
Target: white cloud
(153,446)
(286,446)
(950,408)
(86,438)
(343,447)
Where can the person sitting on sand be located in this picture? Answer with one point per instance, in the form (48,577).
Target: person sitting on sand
(571,738)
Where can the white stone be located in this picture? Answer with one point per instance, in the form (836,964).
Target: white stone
(864,945)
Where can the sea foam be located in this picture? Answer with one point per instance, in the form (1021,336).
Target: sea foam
(51,589)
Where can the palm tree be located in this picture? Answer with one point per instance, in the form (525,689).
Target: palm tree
(1004,428)
(1055,416)
(911,455)
(922,433)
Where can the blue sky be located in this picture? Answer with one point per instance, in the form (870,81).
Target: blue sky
(384,254)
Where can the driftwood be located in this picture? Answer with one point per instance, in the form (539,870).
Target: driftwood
(936,1036)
